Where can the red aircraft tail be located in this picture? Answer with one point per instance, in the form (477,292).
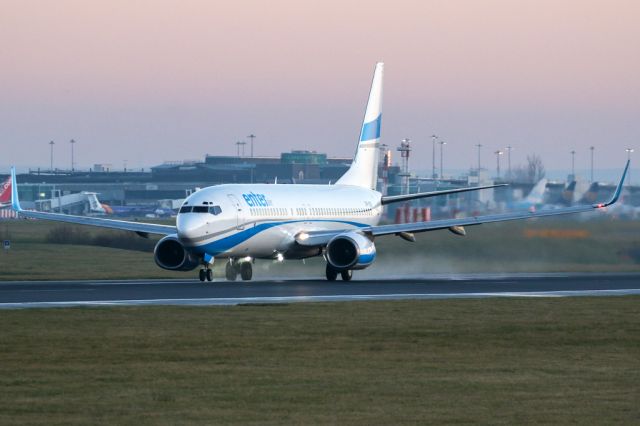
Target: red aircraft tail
(5,191)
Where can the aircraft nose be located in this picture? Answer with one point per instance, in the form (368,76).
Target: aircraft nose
(189,227)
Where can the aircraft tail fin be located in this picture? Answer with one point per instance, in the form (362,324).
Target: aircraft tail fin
(590,196)
(15,202)
(364,168)
(568,192)
(5,191)
(536,196)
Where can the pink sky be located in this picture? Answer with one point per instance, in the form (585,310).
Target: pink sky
(148,81)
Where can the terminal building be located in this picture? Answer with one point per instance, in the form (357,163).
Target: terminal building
(165,185)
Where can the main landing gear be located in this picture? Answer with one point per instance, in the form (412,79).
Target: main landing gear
(206,274)
(332,274)
(235,268)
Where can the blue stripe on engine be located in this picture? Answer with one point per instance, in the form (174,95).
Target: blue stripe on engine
(220,246)
(371,130)
(367,258)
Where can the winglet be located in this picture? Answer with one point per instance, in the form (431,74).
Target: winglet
(15,202)
(616,194)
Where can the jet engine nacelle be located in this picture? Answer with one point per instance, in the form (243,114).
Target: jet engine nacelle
(170,254)
(350,251)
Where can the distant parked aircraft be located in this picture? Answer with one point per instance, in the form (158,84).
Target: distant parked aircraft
(5,192)
(534,200)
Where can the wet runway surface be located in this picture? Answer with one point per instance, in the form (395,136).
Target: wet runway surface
(190,292)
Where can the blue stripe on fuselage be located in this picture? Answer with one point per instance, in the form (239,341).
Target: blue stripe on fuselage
(222,245)
(371,130)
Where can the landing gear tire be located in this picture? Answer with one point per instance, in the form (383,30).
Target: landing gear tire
(346,275)
(209,275)
(246,271)
(331,273)
(230,271)
(203,275)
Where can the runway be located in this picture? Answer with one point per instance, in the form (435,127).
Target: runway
(42,294)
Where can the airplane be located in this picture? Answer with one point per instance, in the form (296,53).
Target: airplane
(244,222)
(590,195)
(5,192)
(533,200)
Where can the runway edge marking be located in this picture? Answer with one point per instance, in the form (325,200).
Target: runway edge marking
(327,298)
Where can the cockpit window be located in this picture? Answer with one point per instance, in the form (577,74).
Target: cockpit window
(214,210)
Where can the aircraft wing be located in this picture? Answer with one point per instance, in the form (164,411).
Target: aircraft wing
(469,221)
(317,238)
(141,228)
(407,197)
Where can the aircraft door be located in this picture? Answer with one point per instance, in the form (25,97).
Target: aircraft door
(239,211)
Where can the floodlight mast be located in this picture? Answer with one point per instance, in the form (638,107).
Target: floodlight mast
(51,144)
(629,151)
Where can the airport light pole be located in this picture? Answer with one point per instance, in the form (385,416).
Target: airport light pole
(498,153)
(241,143)
(591,148)
(479,145)
(509,148)
(573,164)
(629,151)
(434,138)
(442,144)
(51,144)
(72,142)
(252,137)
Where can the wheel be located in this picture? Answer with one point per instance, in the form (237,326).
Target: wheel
(202,275)
(209,275)
(346,275)
(230,271)
(246,271)
(332,274)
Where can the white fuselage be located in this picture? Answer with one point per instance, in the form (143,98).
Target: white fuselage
(262,221)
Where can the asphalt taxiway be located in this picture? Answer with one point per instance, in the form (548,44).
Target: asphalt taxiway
(40,294)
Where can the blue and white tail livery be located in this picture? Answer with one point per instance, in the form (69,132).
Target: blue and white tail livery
(340,222)
(364,169)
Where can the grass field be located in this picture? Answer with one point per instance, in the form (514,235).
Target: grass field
(498,361)
(602,245)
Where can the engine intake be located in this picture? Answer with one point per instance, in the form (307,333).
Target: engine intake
(170,254)
(350,251)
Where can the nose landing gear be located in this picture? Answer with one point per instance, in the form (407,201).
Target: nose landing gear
(206,274)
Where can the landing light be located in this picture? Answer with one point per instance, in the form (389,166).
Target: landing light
(279,257)
(303,236)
